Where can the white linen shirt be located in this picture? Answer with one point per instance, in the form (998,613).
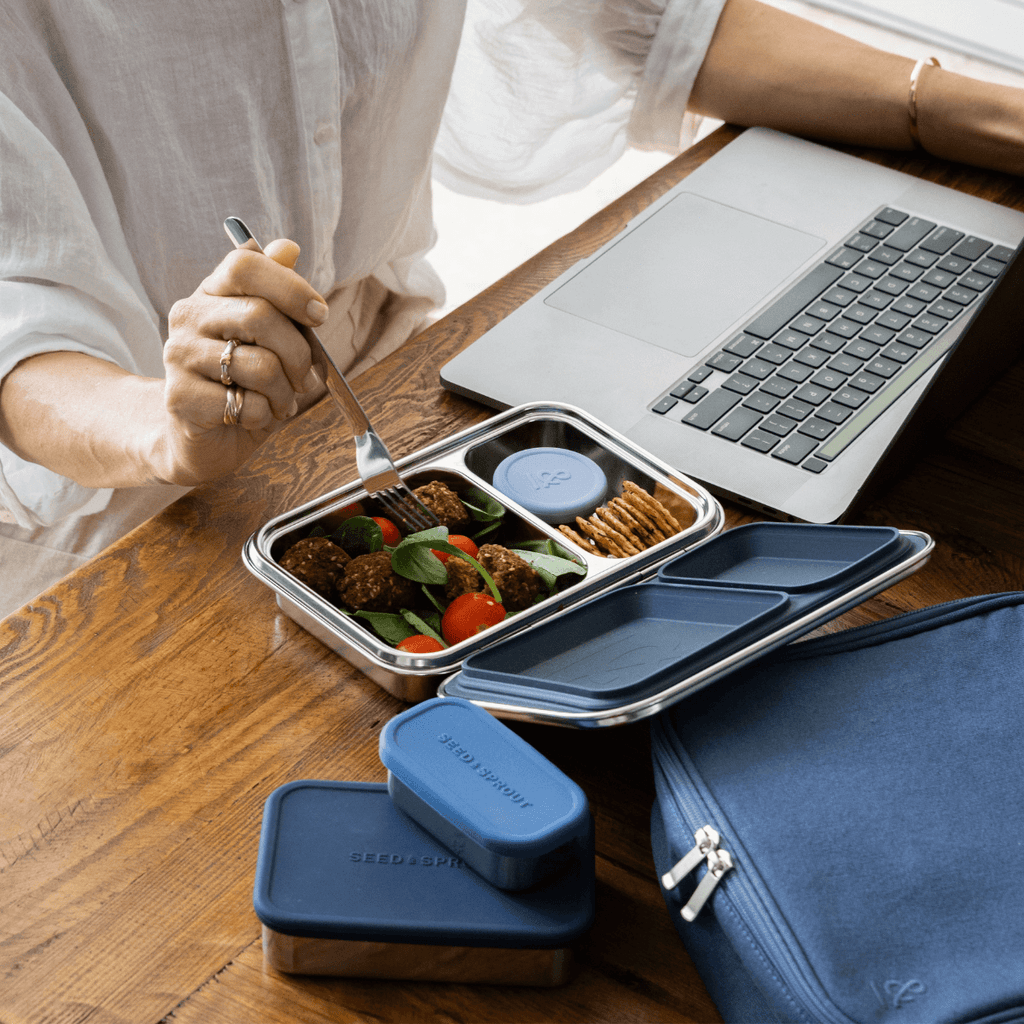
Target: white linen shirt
(129,131)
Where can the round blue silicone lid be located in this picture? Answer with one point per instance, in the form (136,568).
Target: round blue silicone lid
(484,779)
(555,484)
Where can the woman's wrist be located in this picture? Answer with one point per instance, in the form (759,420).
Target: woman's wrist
(971,121)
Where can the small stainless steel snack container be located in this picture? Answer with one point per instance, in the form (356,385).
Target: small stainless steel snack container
(348,885)
(484,792)
(468,460)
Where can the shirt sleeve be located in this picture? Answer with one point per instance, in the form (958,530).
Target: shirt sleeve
(59,291)
(546,94)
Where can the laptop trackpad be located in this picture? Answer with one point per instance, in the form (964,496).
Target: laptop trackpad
(680,278)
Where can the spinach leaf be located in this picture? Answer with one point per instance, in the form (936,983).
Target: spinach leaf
(359,535)
(392,628)
(423,627)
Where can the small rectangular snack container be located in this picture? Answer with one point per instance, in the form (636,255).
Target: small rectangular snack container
(632,652)
(469,461)
(484,792)
(348,885)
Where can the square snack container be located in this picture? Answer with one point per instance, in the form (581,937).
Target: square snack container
(484,792)
(469,459)
(347,885)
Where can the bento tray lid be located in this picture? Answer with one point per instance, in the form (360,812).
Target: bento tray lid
(543,684)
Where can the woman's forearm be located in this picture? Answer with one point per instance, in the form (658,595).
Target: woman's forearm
(84,418)
(767,67)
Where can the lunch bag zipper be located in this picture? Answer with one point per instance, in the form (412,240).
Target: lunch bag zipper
(746,898)
(718,862)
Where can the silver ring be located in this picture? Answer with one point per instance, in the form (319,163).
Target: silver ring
(233,406)
(225,362)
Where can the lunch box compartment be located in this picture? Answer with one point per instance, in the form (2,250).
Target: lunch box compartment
(348,885)
(484,793)
(794,557)
(467,460)
(625,641)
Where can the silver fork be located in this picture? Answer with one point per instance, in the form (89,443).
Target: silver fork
(374,462)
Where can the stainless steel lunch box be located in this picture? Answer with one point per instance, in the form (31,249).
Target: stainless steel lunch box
(470,458)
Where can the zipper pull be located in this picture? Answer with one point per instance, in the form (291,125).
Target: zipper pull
(706,839)
(719,862)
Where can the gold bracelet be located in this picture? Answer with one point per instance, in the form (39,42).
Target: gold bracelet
(912,98)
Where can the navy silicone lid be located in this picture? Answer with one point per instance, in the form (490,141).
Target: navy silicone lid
(483,779)
(555,484)
(338,861)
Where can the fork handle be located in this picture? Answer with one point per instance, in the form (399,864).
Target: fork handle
(333,378)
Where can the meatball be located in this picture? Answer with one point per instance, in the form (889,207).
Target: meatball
(318,562)
(517,581)
(443,502)
(371,584)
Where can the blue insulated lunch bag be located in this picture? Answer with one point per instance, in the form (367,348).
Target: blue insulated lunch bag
(839,829)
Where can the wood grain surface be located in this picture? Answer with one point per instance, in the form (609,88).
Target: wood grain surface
(151,702)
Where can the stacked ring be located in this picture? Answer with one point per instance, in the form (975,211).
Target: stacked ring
(233,406)
(225,362)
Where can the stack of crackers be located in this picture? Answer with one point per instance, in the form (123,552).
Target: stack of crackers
(624,526)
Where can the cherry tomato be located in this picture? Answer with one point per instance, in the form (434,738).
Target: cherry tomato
(419,644)
(388,528)
(462,543)
(348,511)
(468,615)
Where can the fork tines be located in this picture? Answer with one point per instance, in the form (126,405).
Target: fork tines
(404,506)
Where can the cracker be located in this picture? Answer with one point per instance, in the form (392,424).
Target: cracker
(654,508)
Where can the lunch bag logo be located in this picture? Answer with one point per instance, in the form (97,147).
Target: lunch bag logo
(894,994)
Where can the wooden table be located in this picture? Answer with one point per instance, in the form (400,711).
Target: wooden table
(152,701)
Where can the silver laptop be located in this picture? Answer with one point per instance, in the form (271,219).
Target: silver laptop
(771,325)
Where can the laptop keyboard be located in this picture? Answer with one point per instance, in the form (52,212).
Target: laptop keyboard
(810,373)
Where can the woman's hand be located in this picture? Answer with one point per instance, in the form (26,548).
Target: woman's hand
(99,425)
(251,298)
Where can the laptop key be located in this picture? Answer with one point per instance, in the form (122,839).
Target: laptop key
(827,378)
(743,345)
(664,406)
(865,381)
(776,424)
(794,449)
(892,216)
(883,254)
(941,240)
(855,283)
(869,268)
(925,292)
(882,367)
(813,394)
(953,263)
(681,390)
(876,334)
(762,402)
(795,409)
(758,368)
(915,339)
(932,324)
(963,296)
(940,278)
(909,234)
(852,397)
(971,248)
(891,285)
(831,343)
(908,305)
(711,409)
(779,386)
(813,357)
(1000,253)
(947,310)
(876,300)
(822,310)
(862,243)
(793,340)
(839,296)
(760,441)
(795,372)
(906,272)
(892,321)
(736,423)
(845,258)
(921,258)
(813,465)
(975,281)
(819,429)
(834,413)
(860,350)
(899,353)
(990,268)
(794,301)
(724,361)
(740,383)
(845,364)
(877,229)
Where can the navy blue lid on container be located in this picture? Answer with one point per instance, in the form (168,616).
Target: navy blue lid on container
(483,791)
(338,861)
(555,484)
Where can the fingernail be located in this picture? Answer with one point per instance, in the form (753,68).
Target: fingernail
(294,408)
(311,382)
(316,311)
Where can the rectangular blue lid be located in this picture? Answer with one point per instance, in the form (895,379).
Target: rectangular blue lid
(483,779)
(338,861)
